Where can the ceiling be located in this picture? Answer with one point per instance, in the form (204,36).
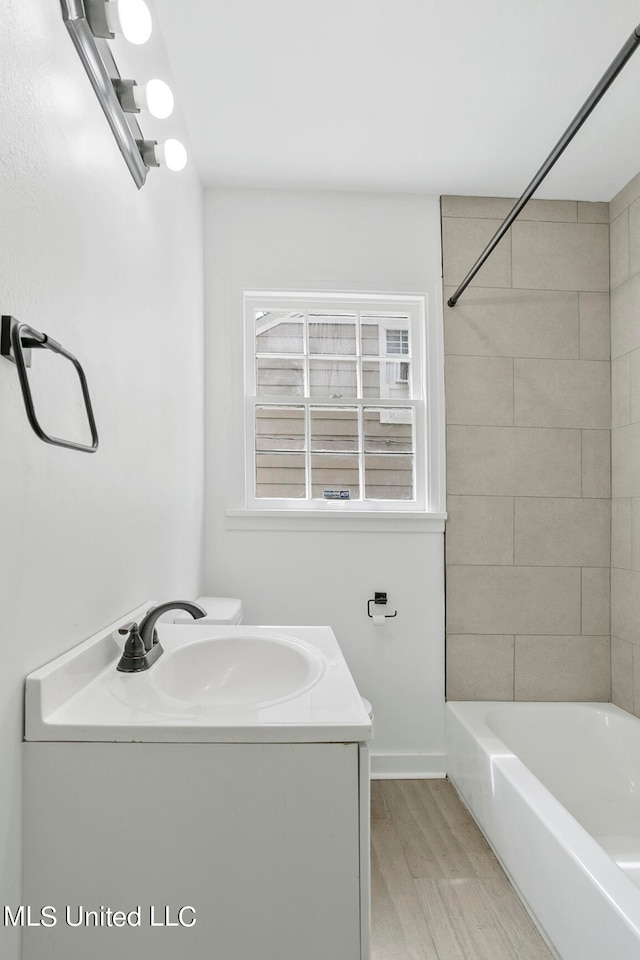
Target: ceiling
(436,96)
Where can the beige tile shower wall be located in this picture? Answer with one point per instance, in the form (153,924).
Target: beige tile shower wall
(528,400)
(625,447)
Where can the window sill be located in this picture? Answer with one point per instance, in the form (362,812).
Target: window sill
(324,520)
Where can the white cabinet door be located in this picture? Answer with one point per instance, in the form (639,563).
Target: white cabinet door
(262,840)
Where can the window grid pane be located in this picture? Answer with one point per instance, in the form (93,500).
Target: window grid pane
(279,377)
(388,430)
(332,334)
(279,331)
(389,477)
(332,378)
(359,452)
(335,429)
(280,429)
(335,473)
(385,335)
(280,476)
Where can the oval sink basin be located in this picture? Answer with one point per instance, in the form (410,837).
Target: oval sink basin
(237,671)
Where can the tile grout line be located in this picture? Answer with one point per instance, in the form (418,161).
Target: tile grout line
(580,325)
(628,243)
(581,598)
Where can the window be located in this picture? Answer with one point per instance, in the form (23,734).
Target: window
(335,402)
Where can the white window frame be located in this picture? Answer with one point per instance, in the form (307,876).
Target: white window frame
(427,401)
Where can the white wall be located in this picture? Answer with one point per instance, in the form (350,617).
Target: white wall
(291,571)
(116,276)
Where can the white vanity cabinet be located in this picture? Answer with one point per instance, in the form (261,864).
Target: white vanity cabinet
(261,840)
(264,844)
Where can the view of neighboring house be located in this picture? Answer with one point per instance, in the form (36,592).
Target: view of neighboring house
(324,430)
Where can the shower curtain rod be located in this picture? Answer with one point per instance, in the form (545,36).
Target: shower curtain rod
(594,97)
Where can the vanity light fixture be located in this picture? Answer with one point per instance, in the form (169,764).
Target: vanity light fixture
(91,24)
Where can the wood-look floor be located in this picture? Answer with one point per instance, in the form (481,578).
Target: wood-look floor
(437,891)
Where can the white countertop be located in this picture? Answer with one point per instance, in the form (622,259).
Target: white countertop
(81,696)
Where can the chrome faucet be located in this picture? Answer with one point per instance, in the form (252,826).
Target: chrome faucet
(142,647)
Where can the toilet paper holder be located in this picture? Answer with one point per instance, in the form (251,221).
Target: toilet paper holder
(380,598)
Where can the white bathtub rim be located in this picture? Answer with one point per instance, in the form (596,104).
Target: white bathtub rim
(620,891)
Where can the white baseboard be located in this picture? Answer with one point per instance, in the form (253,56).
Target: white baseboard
(408,766)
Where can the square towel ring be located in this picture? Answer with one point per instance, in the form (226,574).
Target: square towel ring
(16,342)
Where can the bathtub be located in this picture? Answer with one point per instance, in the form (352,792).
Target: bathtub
(555,788)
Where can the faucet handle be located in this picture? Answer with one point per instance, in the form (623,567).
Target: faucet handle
(134,654)
(133,646)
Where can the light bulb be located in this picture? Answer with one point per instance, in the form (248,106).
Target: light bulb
(154,96)
(172,154)
(130,18)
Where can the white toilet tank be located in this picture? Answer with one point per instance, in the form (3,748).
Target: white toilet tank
(219,610)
